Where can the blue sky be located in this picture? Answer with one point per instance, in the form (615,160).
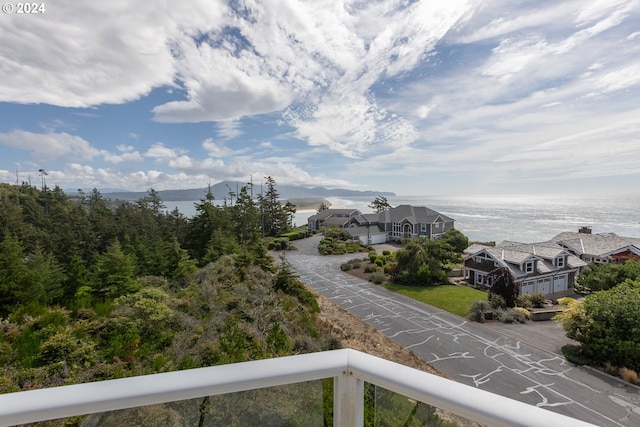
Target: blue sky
(414,97)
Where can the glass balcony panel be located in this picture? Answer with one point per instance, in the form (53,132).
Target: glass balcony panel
(385,408)
(290,405)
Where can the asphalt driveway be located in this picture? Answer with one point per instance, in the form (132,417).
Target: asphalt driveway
(519,361)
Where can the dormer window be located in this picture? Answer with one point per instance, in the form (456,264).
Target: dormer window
(528,267)
(560,262)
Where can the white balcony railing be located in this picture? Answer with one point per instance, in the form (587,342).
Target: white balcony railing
(349,368)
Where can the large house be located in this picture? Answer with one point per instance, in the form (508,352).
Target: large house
(548,267)
(599,248)
(394,224)
(545,267)
(338,217)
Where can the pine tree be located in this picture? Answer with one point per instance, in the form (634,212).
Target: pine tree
(16,280)
(115,272)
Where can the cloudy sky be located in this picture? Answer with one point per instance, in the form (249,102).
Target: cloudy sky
(414,97)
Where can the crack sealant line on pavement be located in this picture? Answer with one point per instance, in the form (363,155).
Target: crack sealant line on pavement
(412,305)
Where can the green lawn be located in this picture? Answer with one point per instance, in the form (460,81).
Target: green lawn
(454,299)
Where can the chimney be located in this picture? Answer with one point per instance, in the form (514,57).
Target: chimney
(584,230)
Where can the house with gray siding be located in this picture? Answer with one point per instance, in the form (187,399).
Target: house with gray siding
(394,224)
(545,268)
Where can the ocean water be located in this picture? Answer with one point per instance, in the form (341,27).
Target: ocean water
(523,218)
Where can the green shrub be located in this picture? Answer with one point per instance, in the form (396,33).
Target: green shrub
(526,313)
(379,262)
(339,249)
(386,252)
(345,266)
(373,257)
(524,301)
(497,301)
(510,315)
(573,353)
(295,235)
(377,278)
(537,300)
(370,268)
(477,310)
(356,265)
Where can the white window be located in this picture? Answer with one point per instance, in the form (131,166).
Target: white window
(528,267)
(424,227)
(560,261)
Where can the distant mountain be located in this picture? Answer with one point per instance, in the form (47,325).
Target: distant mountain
(221,190)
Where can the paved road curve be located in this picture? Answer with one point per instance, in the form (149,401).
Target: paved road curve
(472,353)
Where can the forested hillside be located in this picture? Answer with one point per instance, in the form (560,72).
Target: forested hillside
(88,292)
(91,290)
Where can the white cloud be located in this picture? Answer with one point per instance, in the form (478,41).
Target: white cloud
(229,129)
(616,80)
(163,154)
(126,156)
(49,146)
(91,53)
(215,150)
(185,173)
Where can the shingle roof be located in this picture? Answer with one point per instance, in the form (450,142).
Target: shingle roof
(364,230)
(594,244)
(337,220)
(513,254)
(326,213)
(545,250)
(413,214)
(475,248)
(367,218)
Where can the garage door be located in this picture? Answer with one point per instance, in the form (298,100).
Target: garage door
(527,288)
(559,284)
(378,238)
(544,286)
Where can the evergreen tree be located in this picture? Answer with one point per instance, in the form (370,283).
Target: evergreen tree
(48,276)
(200,229)
(246,218)
(275,219)
(16,280)
(177,262)
(114,272)
(322,207)
(424,261)
(77,276)
(102,220)
(380,204)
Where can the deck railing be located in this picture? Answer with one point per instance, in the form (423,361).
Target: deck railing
(349,369)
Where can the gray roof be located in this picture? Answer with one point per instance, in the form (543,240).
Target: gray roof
(340,221)
(513,254)
(369,218)
(364,230)
(600,245)
(546,250)
(326,213)
(413,214)
(475,248)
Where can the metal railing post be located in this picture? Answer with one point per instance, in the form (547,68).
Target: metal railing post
(348,400)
